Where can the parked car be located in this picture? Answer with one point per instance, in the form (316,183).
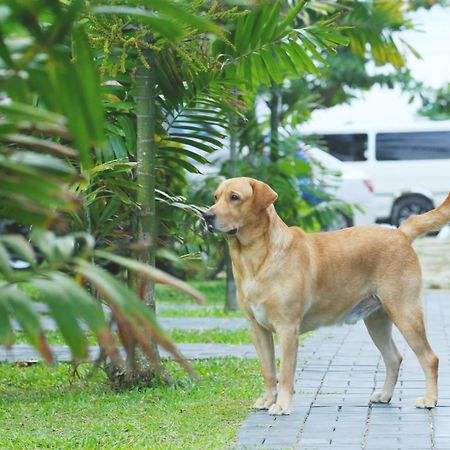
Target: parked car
(345,184)
(409,164)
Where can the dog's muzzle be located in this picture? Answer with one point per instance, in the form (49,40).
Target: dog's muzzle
(209,219)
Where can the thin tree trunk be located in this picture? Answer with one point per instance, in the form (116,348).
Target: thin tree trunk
(146,157)
(230,300)
(275,110)
(141,371)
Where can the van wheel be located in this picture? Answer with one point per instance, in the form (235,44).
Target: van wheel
(409,206)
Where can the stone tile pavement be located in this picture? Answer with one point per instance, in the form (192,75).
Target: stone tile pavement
(25,352)
(338,369)
(167,323)
(434,255)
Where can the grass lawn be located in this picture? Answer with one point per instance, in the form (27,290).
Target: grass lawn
(214,291)
(42,407)
(200,312)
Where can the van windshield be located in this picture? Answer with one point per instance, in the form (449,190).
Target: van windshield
(346,147)
(413,146)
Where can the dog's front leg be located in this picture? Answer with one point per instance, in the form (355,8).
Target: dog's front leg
(263,342)
(288,342)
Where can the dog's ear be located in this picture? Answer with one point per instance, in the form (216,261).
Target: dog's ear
(263,195)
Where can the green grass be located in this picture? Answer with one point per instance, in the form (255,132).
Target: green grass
(214,292)
(218,336)
(214,336)
(201,312)
(42,407)
(53,338)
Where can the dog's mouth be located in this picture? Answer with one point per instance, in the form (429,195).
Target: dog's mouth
(211,228)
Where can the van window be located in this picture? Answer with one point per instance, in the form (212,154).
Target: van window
(413,146)
(347,147)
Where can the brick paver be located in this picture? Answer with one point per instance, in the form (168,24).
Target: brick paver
(338,369)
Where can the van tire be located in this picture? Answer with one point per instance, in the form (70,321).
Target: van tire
(410,205)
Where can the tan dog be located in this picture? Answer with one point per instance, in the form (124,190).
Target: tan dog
(289,282)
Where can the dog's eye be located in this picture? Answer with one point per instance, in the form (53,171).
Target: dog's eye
(215,197)
(234,197)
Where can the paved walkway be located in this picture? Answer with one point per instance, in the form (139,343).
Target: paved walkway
(169,323)
(338,369)
(25,352)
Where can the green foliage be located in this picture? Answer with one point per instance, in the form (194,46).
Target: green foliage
(70,303)
(264,48)
(52,118)
(436,103)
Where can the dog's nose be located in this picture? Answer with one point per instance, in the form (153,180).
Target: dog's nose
(209,216)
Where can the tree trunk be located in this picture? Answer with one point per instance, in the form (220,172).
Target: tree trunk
(139,371)
(275,110)
(230,300)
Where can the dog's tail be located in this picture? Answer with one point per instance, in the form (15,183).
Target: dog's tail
(430,221)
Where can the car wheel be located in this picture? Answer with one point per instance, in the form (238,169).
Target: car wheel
(409,206)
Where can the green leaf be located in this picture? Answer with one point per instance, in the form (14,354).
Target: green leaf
(271,23)
(5,267)
(20,112)
(89,81)
(55,249)
(292,14)
(271,66)
(61,306)
(153,274)
(43,163)
(83,305)
(260,68)
(116,144)
(20,246)
(128,306)
(6,332)
(109,210)
(285,61)
(28,319)
(129,131)
(192,143)
(182,151)
(181,162)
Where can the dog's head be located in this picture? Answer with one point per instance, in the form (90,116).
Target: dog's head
(238,202)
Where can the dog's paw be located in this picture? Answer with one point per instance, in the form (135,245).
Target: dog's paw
(423,402)
(278,409)
(265,401)
(379,397)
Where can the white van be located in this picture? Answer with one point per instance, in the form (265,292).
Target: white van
(408,164)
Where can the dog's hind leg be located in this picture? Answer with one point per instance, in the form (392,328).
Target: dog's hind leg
(411,324)
(379,327)
(403,305)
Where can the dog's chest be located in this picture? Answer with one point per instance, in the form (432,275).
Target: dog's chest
(254,298)
(259,313)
